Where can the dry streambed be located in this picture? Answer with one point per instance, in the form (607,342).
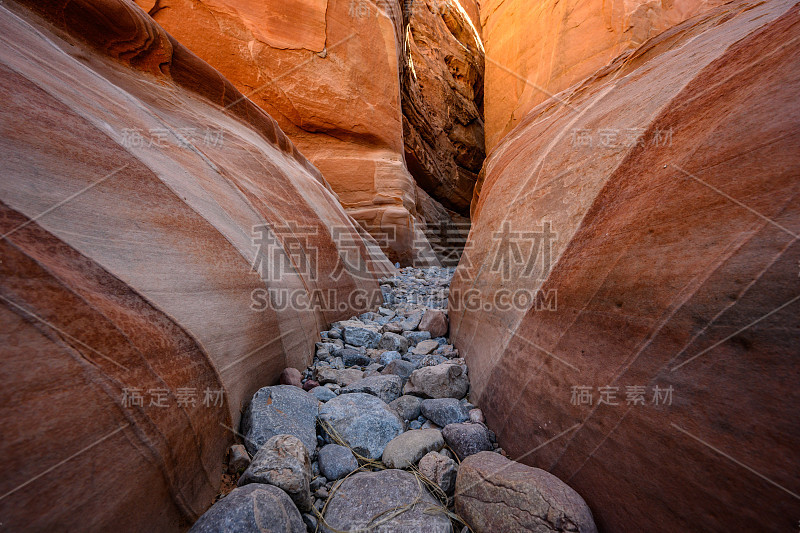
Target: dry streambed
(378,434)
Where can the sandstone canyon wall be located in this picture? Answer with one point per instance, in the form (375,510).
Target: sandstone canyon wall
(329,71)
(654,207)
(135,181)
(537,49)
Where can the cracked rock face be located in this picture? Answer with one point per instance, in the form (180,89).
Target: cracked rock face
(442,101)
(282,461)
(366,499)
(496,494)
(328,71)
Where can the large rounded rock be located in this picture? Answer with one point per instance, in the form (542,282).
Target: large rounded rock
(336,461)
(443,411)
(282,461)
(386,387)
(408,448)
(441,381)
(366,498)
(466,439)
(496,494)
(253,508)
(280,410)
(366,423)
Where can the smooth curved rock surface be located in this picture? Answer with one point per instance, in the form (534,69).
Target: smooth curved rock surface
(535,50)
(126,271)
(674,265)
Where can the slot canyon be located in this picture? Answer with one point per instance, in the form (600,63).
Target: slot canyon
(400,265)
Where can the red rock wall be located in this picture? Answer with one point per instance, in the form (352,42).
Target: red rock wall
(329,72)
(537,49)
(127,266)
(674,265)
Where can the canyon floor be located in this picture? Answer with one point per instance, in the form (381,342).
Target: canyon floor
(379,434)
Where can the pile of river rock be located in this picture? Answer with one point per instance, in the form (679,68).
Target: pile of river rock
(378,434)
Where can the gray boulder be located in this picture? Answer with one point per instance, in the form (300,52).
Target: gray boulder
(252,509)
(415,337)
(336,461)
(282,461)
(366,498)
(412,322)
(363,421)
(359,336)
(443,411)
(351,357)
(385,387)
(532,499)
(399,367)
(466,439)
(280,410)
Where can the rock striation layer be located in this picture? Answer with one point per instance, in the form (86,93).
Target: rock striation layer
(537,49)
(654,209)
(134,179)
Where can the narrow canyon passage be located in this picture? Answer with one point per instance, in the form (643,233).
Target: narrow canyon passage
(400,265)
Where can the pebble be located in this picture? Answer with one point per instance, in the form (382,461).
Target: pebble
(291,376)
(239,459)
(323,394)
(440,469)
(425,347)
